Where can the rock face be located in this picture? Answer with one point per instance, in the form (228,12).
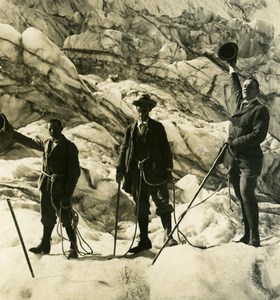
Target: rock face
(85,61)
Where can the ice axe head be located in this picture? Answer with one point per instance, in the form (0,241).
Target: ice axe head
(3,122)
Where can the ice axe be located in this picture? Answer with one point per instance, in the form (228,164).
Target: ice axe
(20,237)
(217,159)
(117,218)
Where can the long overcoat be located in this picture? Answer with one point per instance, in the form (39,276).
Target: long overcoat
(158,149)
(61,161)
(249,127)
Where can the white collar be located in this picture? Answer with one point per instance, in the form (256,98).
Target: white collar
(250,101)
(56,141)
(139,122)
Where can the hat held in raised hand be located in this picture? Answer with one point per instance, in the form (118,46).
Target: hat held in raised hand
(144,100)
(228,52)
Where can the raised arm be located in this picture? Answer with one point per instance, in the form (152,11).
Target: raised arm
(236,89)
(26,141)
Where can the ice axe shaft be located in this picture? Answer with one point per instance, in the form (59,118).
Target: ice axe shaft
(117,218)
(20,237)
(194,197)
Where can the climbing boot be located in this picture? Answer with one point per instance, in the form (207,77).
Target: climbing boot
(252,213)
(73,252)
(245,239)
(45,246)
(171,242)
(42,248)
(166,223)
(254,238)
(144,244)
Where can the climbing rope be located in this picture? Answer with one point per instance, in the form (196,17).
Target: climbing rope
(142,178)
(73,215)
(179,232)
(137,213)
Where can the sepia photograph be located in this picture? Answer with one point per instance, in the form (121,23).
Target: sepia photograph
(139,149)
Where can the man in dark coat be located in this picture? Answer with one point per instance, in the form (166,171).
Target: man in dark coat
(248,129)
(60,173)
(146,164)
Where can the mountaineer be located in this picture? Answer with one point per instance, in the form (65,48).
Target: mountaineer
(60,173)
(145,163)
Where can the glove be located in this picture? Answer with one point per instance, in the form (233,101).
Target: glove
(229,140)
(231,148)
(232,62)
(119,176)
(230,154)
(6,128)
(66,201)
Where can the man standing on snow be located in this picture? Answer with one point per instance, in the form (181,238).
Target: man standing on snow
(146,164)
(57,183)
(248,129)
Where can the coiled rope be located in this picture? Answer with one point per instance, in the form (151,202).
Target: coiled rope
(141,178)
(73,215)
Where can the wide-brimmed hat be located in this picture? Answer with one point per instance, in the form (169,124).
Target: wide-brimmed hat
(228,52)
(145,100)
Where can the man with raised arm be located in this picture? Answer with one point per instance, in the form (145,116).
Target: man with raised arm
(60,173)
(248,129)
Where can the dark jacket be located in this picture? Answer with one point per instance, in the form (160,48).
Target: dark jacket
(62,160)
(158,148)
(248,126)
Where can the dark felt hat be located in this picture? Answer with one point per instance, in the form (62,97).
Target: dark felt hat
(144,100)
(228,52)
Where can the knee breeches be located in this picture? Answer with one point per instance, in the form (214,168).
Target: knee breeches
(51,208)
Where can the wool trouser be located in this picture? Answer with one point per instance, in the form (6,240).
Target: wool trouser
(141,192)
(50,206)
(244,184)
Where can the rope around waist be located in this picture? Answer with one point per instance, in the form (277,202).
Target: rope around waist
(52,176)
(142,173)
